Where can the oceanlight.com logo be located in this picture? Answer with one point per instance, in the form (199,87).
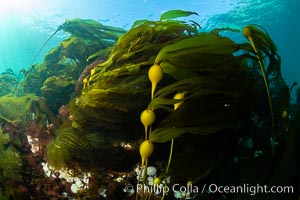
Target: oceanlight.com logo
(250,189)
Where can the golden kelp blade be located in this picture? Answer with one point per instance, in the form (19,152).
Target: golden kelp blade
(172,14)
(249,32)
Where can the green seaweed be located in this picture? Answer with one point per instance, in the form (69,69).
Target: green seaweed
(8,82)
(20,110)
(73,147)
(69,62)
(10,165)
(223,102)
(60,152)
(182,57)
(200,65)
(91,29)
(172,14)
(116,79)
(57,155)
(4,140)
(56,90)
(10,161)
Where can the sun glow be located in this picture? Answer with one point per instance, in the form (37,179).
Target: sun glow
(17,7)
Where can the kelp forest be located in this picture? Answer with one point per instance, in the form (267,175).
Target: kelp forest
(124,114)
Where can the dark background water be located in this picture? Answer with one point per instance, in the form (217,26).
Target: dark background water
(26,25)
(286,34)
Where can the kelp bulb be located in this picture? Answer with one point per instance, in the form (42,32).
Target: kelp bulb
(85,81)
(146,149)
(178,96)
(147,117)
(284,114)
(156,181)
(155,74)
(93,71)
(246,32)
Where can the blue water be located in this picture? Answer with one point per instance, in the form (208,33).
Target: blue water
(26,25)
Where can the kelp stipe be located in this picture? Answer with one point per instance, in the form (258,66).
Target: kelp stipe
(38,53)
(250,31)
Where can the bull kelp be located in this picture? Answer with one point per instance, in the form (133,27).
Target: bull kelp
(224,100)
(88,40)
(179,104)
